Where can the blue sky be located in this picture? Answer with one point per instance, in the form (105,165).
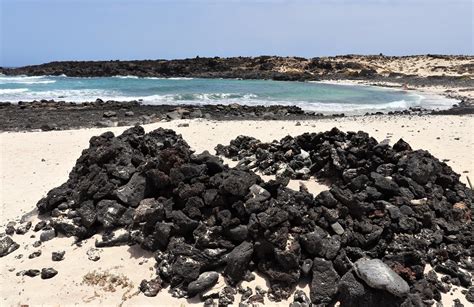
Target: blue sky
(38,31)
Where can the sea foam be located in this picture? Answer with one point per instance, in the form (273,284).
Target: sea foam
(25,80)
(13,90)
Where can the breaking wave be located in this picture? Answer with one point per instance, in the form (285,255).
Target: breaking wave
(25,80)
(180,78)
(81,95)
(13,90)
(126,77)
(151,78)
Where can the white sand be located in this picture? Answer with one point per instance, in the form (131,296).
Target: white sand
(451,93)
(419,65)
(25,178)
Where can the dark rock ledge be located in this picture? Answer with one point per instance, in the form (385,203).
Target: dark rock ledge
(59,115)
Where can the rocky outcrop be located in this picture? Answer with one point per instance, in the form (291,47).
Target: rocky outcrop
(50,115)
(375,67)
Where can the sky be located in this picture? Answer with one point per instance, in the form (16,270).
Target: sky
(39,31)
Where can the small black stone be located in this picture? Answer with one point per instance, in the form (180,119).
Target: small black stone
(48,273)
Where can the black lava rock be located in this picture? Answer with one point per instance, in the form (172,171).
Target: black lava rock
(237,262)
(205,281)
(48,273)
(323,286)
(7,246)
(151,287)
(198,216)
(58,256)
(31,273)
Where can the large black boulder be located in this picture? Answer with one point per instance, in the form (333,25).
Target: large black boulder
(88,213)
(109,213)
(419,166)
(238,183)
(184,269)
(205,281)
(237,262)
(324,282)
(385,185)
(133,192)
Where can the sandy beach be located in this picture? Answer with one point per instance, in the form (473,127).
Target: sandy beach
(32,163)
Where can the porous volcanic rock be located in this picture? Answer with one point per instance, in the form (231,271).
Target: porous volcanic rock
(197,215)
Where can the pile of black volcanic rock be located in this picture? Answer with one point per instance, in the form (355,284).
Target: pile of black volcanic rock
(408,195)
(390,212)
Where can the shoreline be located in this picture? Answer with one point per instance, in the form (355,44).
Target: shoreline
(457,93)
(451,75)
(49,115)
(52,115)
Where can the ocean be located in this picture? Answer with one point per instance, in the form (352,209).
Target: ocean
(312,96)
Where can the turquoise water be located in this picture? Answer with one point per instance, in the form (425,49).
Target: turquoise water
(320,97)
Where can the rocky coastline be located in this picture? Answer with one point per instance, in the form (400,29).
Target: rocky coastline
(417,71)
(47,115)
(262,67)
(450,75)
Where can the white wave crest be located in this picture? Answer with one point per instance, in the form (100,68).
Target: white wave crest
(151,78)
(25,80)
(20,77)
(180,78)
(13,90)
(320,107)
(208,96)
(67,95)
(125,77)
(32,82)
